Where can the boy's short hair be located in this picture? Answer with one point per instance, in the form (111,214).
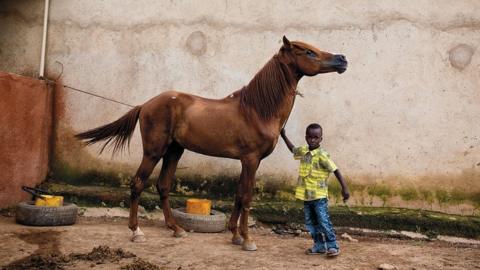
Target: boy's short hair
(314,126)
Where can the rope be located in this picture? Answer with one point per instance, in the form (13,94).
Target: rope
(86,92)
(79,90)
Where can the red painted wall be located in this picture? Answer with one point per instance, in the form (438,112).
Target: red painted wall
(25,129)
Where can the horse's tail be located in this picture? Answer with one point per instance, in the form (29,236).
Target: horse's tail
(119,131)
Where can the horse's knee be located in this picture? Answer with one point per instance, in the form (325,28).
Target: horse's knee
(162,191)
(136,188)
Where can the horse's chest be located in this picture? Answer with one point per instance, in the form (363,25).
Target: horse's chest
(268,147)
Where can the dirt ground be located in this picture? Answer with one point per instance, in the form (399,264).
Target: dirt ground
(212,251)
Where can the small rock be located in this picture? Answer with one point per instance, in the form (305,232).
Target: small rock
(297,232)
(386,266)
(348,237)
(413,235)
(122,204)
(157,207)
(103,204)
(142,210)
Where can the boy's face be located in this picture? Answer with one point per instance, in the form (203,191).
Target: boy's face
(313,137)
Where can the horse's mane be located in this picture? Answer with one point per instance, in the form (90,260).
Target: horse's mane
(266,91)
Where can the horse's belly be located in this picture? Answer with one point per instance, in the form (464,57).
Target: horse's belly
(214,136)
(218,129)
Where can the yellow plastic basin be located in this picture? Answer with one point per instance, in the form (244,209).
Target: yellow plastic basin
(49,200)
(199,206)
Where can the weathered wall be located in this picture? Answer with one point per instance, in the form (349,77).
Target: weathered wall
(25,121)
(405,114)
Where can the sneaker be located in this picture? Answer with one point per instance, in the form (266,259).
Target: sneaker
(311,251)
(332,252)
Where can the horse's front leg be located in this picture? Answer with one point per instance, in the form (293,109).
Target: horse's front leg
(247,183)
(232,224)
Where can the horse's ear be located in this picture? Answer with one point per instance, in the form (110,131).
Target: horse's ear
(286,43)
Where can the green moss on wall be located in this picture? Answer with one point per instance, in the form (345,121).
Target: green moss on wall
(62,172)
(383,218)
(408,193)
(475,199)
(442,196)
(458,196)
(222,186)
(379,190)
(266,188)
(427,195)
(334,190)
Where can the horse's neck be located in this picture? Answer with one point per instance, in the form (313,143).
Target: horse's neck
(286,109)
(289,99)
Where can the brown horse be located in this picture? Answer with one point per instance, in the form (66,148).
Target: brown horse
(245,126)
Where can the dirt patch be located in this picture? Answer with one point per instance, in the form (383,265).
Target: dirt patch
(28,245)
(49,259)
(39,261)
(139,264)
(102,254)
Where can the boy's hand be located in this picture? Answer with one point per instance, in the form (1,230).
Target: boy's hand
(345,195)
(287,141)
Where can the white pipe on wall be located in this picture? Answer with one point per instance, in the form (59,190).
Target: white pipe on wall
(44,40)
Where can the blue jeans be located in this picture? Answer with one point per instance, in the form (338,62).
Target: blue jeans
(318,224)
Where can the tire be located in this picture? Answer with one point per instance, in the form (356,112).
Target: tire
(215,222)
(27,213)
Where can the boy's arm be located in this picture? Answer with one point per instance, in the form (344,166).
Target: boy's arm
(345,193)
(287,141)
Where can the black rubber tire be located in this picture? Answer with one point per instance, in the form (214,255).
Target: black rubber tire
(27,213)
(215,222)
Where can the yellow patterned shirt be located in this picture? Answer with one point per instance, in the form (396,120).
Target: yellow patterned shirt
(315,168)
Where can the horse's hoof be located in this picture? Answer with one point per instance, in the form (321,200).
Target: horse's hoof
(249,246)
(180,233)
(138,238)
(238,240)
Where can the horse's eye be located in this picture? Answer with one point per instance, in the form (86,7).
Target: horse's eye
(310,54)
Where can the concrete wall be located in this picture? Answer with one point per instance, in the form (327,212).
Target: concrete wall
(404,115)
(25,121)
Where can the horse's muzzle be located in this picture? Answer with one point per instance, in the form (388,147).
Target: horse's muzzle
(339,62)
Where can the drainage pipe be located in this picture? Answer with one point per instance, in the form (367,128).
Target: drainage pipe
(44,40)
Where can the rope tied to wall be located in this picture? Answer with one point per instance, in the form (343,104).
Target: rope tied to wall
(54,82)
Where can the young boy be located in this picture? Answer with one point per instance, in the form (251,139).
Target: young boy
(315,168)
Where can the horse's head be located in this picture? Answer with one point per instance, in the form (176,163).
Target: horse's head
(311,61)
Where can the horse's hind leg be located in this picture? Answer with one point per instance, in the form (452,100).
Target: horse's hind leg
(136,187)
(169,165)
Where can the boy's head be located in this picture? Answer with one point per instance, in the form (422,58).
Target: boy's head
(313,136)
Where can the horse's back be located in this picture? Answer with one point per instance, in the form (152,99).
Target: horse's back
(197,123)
